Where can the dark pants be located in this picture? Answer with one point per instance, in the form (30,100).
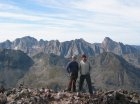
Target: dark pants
(72,83)
(88,80)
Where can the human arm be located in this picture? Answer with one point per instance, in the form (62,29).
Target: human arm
(68,67)
(90,67)
(79,67)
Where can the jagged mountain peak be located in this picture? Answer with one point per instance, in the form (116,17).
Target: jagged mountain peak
(76,40)
(6,44)
(27,38)
(25,44)
(54,41)
(8,41)
(108,44)
(80,39)
(107,39)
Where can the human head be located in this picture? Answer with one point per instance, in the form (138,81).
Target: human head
(74,57)
(84,57)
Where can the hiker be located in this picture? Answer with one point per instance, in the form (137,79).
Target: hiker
(85,68)
(72,69)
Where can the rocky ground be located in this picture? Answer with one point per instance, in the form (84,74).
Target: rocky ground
(24,95)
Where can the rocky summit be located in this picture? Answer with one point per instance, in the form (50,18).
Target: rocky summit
(23,95)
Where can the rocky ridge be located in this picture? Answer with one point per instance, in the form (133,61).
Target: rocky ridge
(66,49)
(24,95)
(32,46)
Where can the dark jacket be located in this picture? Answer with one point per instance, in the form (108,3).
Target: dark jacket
(73,68)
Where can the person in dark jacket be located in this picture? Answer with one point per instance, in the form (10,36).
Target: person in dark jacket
(72,69)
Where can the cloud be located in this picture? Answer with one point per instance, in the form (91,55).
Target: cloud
(111,7)
(19,16)
(4,6)
(68,19)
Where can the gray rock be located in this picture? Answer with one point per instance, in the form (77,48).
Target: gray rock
(3,98)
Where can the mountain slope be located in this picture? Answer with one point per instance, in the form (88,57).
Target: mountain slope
(133,59)
(111,71)
(48,70)
(13,66)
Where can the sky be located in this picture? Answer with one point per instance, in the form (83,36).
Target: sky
(65,20)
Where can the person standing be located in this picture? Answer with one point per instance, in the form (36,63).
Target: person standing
(72,69)
(85,68)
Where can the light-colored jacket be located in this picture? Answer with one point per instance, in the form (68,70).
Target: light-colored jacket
(84,67)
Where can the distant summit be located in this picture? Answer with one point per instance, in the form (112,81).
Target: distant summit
(109,44)
(117,47)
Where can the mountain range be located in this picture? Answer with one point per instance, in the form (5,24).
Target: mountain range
(32,46)
(42,63)
(66,49)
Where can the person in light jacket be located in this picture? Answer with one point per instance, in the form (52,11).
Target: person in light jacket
(85,69)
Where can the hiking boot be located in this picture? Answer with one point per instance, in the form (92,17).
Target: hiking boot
(67,90)
(78,94)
